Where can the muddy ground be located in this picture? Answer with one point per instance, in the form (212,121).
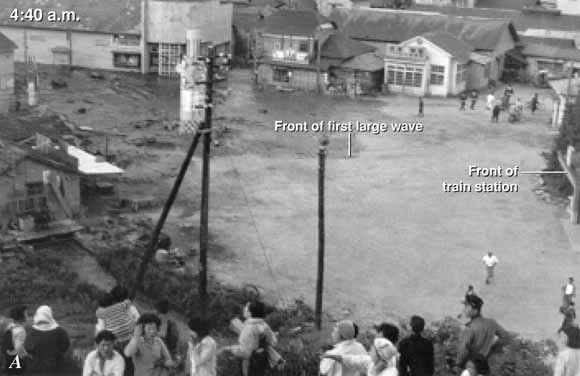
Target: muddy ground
(396,244)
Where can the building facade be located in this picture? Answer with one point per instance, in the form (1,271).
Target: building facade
(146,36)
(7,48)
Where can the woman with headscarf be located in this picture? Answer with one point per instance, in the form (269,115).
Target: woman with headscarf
(343,337)
(568,360)
(380,361)
(46,343)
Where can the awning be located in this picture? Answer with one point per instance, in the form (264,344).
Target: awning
(90,165)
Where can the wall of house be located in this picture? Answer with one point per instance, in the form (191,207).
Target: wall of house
(532,68)
(89,50)
(30,171)
(167,22)
(301,79)
(95,50)
(6,81)
(476,76)
(569,6)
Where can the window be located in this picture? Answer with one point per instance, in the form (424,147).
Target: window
(281,75)
(437,74)
(126,40)
(550,66)
(34,189)
(303,46)
(405,75)
(460,75)
(126,60)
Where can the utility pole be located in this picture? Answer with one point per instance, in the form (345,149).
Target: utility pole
(320,278)
(204,216)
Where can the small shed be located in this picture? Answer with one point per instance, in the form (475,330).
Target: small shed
(7,48)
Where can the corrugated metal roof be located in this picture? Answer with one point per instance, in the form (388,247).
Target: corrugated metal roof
(558,42)
(113,16)
(6,44)
(554,52)
(450,44)
(292,22)
(339,46)
(394,26)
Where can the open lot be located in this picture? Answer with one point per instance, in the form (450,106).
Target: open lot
(396,244)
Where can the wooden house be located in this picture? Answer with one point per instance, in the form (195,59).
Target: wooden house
(7,48)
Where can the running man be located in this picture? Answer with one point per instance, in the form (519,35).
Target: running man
(490,262)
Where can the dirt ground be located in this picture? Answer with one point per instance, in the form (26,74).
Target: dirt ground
(396,244)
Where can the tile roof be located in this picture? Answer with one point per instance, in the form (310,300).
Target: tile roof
(553,52)
(397,26)
(558,42)
(522,20)
(369,62)
(292,22)
(6,44)
(339,46)
(95,15)
(450,44)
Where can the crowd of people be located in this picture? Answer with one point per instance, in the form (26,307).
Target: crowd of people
(151,344)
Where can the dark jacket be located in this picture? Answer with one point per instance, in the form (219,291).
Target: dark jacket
(478,337)
(47,349)
(416,356)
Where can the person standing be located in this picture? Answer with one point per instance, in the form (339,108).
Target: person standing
(416,351)
(490,101)
(201,359)
(104,361)
(380,361)
(46,343)
(462,99)
(568,359)
(148,352)
(255,336)
(343,337)
(569,317)
(478,336)
(388,331)
(168,331)
(490,261)
(495,112)
(569,292)
(14,353)
(420,107)
(509,91)
(473,97)
(534,103)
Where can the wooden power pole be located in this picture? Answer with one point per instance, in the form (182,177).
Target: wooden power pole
(204,216)
(320,276)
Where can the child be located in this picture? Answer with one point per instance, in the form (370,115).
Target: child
(381,360)
(201,349)
(149,353)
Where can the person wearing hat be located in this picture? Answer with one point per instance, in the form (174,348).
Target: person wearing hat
(343,336)
(568,359)
(479,335)
(380,361)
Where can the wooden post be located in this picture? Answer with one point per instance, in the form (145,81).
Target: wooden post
(204,217)
(320,276)
(152,247)
(318,49)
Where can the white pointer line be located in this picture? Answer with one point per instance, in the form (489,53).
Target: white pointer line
(349,145)
(542,172)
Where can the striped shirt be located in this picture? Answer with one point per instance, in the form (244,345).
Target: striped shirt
(118,319)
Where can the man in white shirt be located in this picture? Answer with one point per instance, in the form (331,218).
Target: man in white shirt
(490,262)
(343,337)
(104,361)
(569,291)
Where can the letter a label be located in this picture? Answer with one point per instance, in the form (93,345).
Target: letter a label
(15,363)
